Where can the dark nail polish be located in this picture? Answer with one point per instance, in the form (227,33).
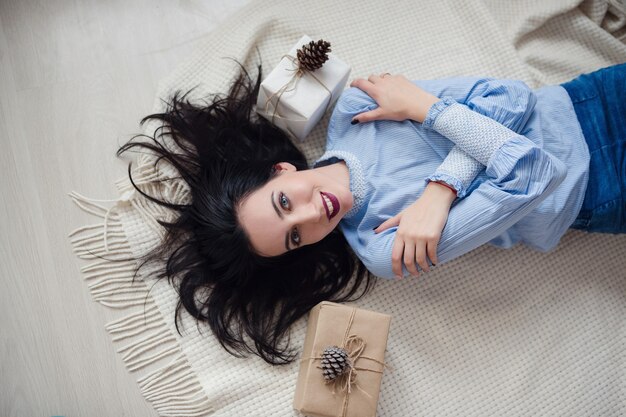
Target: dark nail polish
(353,122)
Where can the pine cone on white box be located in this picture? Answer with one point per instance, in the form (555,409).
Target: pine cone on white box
(313,55)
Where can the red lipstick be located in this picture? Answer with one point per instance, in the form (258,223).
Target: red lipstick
(333,201)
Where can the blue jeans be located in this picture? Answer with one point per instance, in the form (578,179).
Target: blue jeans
(600,103)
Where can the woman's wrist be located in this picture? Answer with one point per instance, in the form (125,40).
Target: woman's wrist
(423,104)
(442,189)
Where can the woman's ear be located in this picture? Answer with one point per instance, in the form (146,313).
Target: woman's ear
(284,167)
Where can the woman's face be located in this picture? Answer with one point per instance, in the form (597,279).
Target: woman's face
(295,208)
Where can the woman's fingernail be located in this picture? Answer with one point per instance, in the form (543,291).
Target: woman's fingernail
(354,121)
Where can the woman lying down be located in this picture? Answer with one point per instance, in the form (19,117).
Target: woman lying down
(415,174)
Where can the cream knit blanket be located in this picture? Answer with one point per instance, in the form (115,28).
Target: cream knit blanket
(495,332)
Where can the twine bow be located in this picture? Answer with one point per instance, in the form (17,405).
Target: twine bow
(291,85)
(354,345)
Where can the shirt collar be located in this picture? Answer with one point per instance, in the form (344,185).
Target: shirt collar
(357,179)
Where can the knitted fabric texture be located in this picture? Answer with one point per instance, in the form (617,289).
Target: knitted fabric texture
(476,134)
(458,170)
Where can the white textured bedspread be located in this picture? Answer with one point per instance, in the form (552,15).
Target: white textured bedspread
(495,332)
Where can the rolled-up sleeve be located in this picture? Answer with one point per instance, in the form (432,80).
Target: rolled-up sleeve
(509,102)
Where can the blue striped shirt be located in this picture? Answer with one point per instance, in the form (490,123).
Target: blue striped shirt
(516,157)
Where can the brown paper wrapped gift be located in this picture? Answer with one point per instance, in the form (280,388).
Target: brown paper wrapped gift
(363,334)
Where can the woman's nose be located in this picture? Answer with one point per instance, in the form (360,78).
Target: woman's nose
(309,213)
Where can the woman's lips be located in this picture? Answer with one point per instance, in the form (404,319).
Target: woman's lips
(333,201)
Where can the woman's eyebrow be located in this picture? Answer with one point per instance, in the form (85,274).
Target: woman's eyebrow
(281,217)
(276,207)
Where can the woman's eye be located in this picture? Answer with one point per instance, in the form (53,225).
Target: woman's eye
(295,236)
(284,201)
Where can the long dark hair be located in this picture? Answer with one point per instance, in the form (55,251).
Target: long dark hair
(224,151)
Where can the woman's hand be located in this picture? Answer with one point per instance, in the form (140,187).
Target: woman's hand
(397,98)
(419,229)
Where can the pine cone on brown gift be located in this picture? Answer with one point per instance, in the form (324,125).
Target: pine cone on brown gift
(335,362)
(313,55)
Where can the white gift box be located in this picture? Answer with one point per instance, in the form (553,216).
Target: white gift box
(297,110)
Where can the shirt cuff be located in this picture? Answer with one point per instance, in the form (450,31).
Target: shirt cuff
(435,110)
(453,182)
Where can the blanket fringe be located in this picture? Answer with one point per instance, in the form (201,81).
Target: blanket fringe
(135,324)
(174,389)
(137,353)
